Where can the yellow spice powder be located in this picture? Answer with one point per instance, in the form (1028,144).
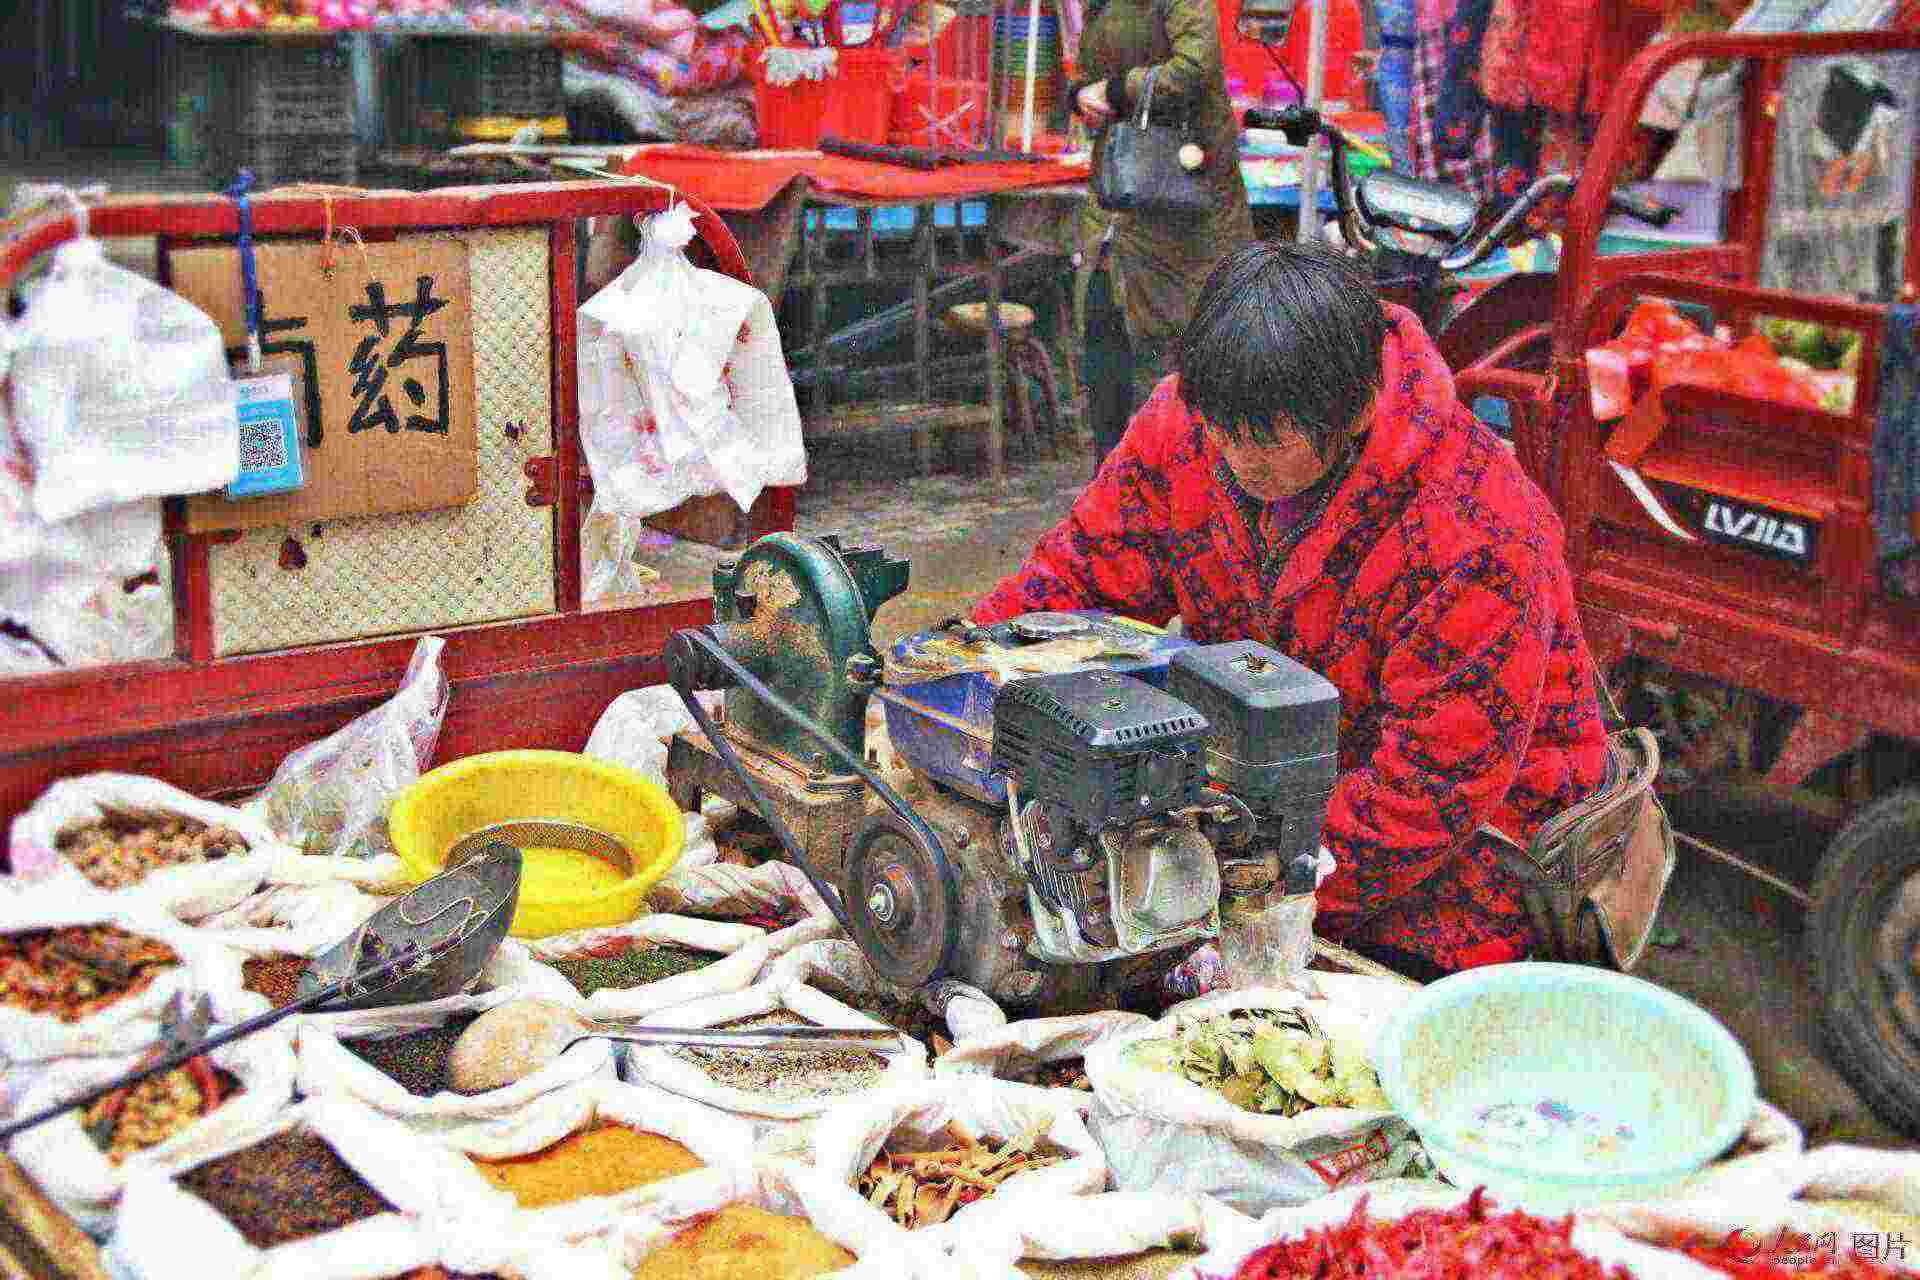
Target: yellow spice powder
(741,1242)
(598,1162)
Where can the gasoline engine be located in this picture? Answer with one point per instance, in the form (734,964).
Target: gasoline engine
(1067,802)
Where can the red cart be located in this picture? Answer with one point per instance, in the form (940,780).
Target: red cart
(1755,605)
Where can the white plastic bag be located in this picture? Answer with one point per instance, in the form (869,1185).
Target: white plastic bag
(327,797)
(131,1024)
(1020,1047)
(684,391)
(906,1063)
(1108,1225)
(916,1117)
(291,920)
(835,964)
(164,1231)
(715,1139)
(881,1249)
(78,1176)
(190,891)
(120,390)
(716,936)
(1161,1132)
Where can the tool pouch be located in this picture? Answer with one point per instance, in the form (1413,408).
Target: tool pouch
(1594,875)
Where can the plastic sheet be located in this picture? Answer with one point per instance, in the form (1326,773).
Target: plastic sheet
(328,797)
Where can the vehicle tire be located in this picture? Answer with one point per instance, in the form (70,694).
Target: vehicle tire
(1864,937)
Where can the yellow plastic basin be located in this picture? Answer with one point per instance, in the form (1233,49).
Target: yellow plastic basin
(560,889)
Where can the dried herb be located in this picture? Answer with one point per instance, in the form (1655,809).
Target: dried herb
(635,967)
(786,1074)
(1280,1063)
(416,1061)
(275,977)
(598,1162)
(147,1114)
(289,1187)
(74,972)
(124,845)
(1466,1243)
(923,1188)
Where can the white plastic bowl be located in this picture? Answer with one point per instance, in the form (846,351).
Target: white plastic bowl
(1557,1086)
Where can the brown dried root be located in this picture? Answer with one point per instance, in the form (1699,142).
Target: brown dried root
(924,1188)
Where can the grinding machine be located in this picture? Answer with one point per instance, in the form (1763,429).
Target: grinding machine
(1065,805)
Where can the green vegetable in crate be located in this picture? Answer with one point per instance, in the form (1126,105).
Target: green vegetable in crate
(1279,1062)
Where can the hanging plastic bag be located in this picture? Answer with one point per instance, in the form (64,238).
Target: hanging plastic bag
(683,387)
(120,388)
(327,797)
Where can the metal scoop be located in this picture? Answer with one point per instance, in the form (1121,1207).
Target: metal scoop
(801,1036)
(431,943)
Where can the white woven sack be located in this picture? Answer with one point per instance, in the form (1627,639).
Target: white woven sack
(1020,1047)
(916,1117)
(164,1232)
(1161,1132)
(735,973)
(78,1177)
(188,892)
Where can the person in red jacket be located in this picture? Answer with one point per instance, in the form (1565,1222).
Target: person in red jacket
(1308,479)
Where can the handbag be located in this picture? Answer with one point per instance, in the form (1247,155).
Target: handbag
(1140,171)
(1594,875)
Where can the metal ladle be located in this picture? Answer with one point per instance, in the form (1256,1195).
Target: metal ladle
(432,942)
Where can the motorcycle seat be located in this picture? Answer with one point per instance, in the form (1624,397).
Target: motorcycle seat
(1414,204)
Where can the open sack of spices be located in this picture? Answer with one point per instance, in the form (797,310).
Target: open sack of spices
(326,1190)
(1421,1231)
(83,1158)
(398,1061)
(727,976)
(642,951)
(1049,1052)
(79,979)
(151,845)
(1258,1098)
(773,1088)
(933,1156)
(622,1142)
(769,1220)
(1107,1227)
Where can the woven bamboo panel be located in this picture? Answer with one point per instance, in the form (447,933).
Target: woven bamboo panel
(385,575)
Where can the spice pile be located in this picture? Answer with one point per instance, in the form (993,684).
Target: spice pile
(287,1188)
(146,1114)
(74,972)
(1280,1063)
(1466,1243)
(275,977)
(741,1242)
(416,1061)
(597,1162)
(441,1273)
(790,1075)
(923,1188)
(638,965)
(124,845)
(1068,1073)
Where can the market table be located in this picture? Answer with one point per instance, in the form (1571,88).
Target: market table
(780,205)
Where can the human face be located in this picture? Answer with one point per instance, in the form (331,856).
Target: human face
(1270,472)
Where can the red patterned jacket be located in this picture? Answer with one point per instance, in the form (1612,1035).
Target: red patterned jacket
(1432,593)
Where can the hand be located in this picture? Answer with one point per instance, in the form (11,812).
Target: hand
(1093,104)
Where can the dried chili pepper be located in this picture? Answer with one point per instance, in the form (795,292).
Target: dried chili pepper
(207,1080)
(1465,1243)
(1736,1257)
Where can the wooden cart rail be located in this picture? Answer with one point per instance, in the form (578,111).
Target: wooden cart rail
(219,725)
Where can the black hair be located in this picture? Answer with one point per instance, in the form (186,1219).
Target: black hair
(1284,338)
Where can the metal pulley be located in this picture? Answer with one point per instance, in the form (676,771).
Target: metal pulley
(903,906)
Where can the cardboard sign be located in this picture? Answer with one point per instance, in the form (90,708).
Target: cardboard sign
(385,347)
